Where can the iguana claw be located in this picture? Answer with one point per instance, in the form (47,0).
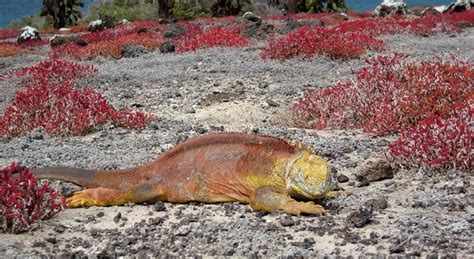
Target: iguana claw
(81,199)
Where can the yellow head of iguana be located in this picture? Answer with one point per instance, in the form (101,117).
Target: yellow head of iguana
(308,176)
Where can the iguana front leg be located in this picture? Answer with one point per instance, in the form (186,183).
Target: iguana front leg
(269,198)
(114,197)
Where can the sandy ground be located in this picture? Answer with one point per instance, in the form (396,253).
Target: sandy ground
(233,90)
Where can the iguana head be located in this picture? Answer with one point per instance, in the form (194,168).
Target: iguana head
(308,176)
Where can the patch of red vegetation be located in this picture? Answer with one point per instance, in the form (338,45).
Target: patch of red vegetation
(144,24)
(55,71)
(108,48)
(297,16)
(23,202)
(51,102)
(111,42)
(61,110)
(9,33)
(122,30)
(390,95)
(437,143)
(191,30)
(424,26)
(308,42)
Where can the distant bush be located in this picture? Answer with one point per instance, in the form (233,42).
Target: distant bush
(188,10)
(217,37)
(110,48)
(111,42)
(424,26)
(389,95)
(54,71)
(9,33)
(308,42)
(23,202)
(325,6)
(118,10)
(35,21)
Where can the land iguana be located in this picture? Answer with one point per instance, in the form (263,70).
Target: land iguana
(266,172)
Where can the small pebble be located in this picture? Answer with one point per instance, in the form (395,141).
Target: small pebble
(117,217)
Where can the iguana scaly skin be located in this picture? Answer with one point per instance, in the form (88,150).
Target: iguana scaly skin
(263,171)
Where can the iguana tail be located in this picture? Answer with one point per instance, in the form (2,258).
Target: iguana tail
(114,179)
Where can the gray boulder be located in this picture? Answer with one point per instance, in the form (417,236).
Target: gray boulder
(375,168)
(173,30)
(255,28)
(133,51)
(251,17)
(167,47)
(58,40)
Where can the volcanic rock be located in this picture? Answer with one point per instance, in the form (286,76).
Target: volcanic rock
(375,168)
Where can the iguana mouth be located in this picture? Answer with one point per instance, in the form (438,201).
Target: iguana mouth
(309,191)
(298,186)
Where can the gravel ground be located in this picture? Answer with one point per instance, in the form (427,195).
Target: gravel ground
(211,90)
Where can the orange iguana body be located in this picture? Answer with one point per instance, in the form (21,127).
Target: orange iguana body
(263,171)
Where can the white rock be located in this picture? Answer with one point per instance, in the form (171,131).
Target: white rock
(393,3)
(123,21)
(28,32)
(249,16)
(95,23)
(441,8)
(388,7)
(53,37)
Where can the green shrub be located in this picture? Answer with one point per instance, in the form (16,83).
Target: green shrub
(36,21)
(189,10)
(222,8)
(117,10)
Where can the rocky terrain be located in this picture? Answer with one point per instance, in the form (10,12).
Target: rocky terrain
(404,212)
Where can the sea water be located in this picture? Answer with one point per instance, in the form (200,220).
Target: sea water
(12,10)
(365,5)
